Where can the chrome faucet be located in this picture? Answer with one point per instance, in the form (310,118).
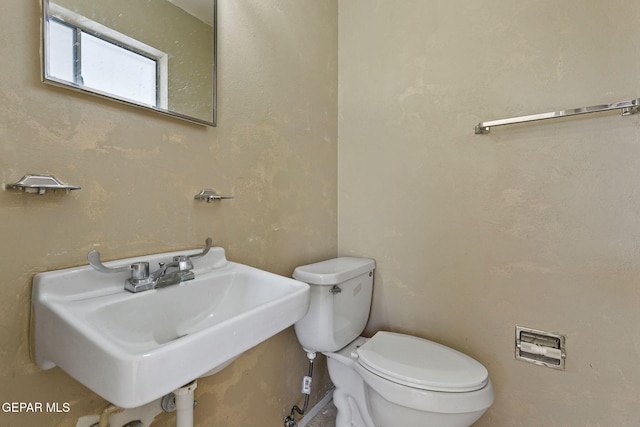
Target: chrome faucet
(183,273)
(142,280)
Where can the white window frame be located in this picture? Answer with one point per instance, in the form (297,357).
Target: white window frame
(83,23)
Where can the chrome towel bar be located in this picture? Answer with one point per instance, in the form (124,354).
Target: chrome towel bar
(627,107)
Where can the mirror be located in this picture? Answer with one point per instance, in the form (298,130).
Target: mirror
(156,54)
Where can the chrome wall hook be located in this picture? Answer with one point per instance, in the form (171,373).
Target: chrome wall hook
(208,195)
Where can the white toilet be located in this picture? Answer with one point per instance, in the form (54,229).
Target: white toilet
(391,379)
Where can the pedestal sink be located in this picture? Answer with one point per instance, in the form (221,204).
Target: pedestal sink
(134,348)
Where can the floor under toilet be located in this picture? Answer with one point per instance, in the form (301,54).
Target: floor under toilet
(326,417)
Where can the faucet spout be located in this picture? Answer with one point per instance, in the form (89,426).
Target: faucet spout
(181,262)
(141,280)
(161,278)
(174,278)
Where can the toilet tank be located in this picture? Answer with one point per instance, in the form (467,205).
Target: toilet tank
(341,290)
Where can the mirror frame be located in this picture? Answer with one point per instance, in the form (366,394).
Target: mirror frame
(44,52)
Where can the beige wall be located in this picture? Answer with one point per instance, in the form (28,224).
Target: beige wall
(274,150)
(536,225)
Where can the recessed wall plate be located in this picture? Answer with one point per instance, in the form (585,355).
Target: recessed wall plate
(540,347)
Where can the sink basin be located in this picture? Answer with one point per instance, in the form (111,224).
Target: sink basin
(134,348)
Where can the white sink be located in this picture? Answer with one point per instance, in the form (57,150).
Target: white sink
(134,348)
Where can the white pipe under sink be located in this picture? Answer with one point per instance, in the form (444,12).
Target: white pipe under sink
(184,405)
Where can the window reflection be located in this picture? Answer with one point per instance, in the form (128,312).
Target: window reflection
(151,53)
(110,66)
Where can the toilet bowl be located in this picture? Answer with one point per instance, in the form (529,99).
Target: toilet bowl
(370,397)
(391,379)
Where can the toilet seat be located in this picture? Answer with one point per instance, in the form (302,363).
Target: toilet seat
(421,364)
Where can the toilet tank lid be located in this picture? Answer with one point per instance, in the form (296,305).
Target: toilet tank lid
(333,271)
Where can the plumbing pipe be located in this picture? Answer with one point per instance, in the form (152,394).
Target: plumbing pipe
(184,405)
(289,421)
(106,412)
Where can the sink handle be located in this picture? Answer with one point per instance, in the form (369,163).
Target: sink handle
(207,246)
(139,270)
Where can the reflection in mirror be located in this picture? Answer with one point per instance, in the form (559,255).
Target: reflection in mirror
(157,54)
